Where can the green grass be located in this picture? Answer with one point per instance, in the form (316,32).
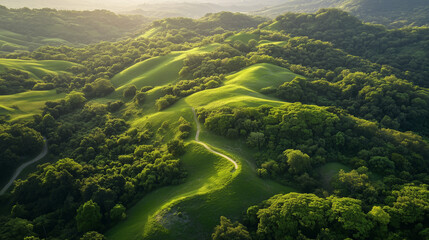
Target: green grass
(260,76)
(211,190)
(14,40)
(243,37)
(192,209)
(24,105)
(150,33)
(158,71)
(36,69)
(10,41)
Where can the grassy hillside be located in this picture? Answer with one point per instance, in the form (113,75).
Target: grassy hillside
(37,69)
(156,71)
(25,104)
(192,209)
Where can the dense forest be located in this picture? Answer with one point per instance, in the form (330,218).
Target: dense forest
(391,13)
(352,95)
(36,27)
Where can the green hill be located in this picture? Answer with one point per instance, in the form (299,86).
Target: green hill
(392,13)
(37,69)
(27,29)
(211,185)
(211,190)
(26,104)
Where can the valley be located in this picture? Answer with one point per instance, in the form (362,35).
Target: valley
(230,126)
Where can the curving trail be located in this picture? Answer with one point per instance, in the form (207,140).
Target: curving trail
(197,139)
(24,165)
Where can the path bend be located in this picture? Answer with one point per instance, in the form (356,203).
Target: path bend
(197,139)
(24,165)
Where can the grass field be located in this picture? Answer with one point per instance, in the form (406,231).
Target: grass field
(10,41)
(244,37)
(211,190)
(36,69)
(192,209)
(26,104)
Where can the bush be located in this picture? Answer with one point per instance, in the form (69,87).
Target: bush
(130,92)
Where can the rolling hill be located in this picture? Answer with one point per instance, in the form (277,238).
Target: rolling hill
(392,13)
(211,188)
(163,134)
(26,104)
(25,29)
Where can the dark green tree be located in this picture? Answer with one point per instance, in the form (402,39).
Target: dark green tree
(88,217)
(227,230)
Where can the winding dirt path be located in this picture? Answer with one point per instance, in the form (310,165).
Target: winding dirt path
(197,139)
(24,165)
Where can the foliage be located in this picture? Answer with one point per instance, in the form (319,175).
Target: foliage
(88,217)
(297,138)
(297,215)
(72,26)
(396,48)
(228,230)
(17,141)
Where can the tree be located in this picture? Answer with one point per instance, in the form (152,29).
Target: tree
(117,213)
(379,215)
(140,97)
(93,236)
(256,139)
(230,231)
(75,99)
(88,217)
(15,228)
(176,147)
(298,161)
(130,92)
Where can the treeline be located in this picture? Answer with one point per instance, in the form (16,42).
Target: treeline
(72,26)
(293,140)
(180,29)
(307,216)
(399,48)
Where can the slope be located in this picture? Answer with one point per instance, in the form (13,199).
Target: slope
(156,71)
(24,105)
(392,13)
(192,209)
(37,69)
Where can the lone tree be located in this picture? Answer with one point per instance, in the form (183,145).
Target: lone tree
(130,92)
(88,217)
